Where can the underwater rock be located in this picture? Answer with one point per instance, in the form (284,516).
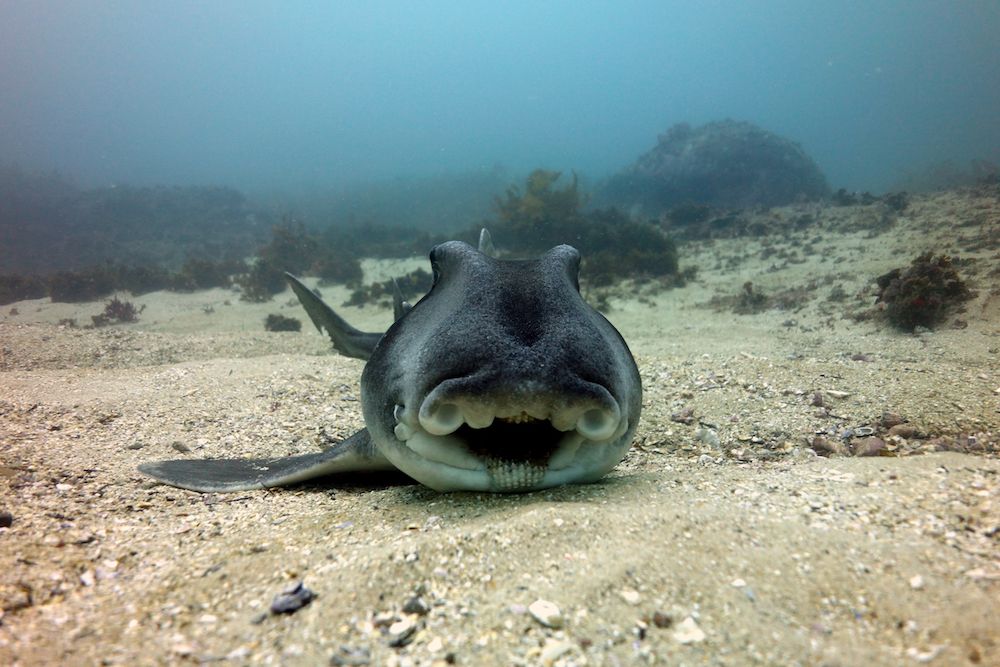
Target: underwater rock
(291,599)
(723,164)
(276,322)
(923,294)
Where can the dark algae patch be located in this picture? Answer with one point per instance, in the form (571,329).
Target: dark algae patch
(923,294)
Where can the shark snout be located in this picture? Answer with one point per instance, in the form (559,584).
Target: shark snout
(587,408)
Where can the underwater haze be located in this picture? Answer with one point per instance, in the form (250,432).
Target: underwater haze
(279,96)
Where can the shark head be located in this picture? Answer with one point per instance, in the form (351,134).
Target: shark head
(501,378)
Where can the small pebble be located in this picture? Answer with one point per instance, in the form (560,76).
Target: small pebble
(292,599)
(662,620)
(870,446)
(688,632)
(350,656)
(401,632)
(416,605)
(180,447)
(554,649)
(6,519)
(834,393)
(546,613)
(890,419)
(707,436)
(906,431)
(916,582)
(683,416)
(630,596)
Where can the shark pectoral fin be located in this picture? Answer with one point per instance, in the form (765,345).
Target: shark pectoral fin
(347,340)
(356,453)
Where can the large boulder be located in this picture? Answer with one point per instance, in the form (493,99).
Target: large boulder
(725,164)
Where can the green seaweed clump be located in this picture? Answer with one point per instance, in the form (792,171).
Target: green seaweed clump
(200,274)
(282,323)
(338,267)
(750,301)
(84,285)
(17,287)
(540,207)
(413,285)
(262,281)
(613,246)
(117,311)
(923,294)
(292,248)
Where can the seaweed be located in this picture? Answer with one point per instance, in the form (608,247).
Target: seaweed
(281,323)
(338,267)
(262,281)
(141,279)
(291,247)
(117,311)
(750,301)
(923,294)
(88,284)
(199,274)
(414,284)
(613,245)
(17,287)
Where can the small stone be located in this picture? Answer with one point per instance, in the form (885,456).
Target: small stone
(401,632)
(6,519)
(890,419)
(707,436)
(834,393)
(683,416)
(688,632)
(180,447)
(916,582)
(662,620)
(817,400)
(554,649)
(870,446)
(826,446)
(416,605)
(737,583)
(907,431)
(630,596)
(135,445)
(349,656)
(292,599)
(546,613)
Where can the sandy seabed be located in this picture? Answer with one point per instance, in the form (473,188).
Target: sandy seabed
(723,541)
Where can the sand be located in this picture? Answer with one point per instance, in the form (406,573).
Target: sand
(725,541)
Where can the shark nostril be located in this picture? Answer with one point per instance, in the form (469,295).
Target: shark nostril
(597,424)
(441,418)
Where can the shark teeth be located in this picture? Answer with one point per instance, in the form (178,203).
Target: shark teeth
(433,433)
(514,476)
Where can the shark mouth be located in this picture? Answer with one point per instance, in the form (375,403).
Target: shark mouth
(515,447)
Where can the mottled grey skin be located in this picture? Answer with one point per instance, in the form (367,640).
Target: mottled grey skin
(500,379)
